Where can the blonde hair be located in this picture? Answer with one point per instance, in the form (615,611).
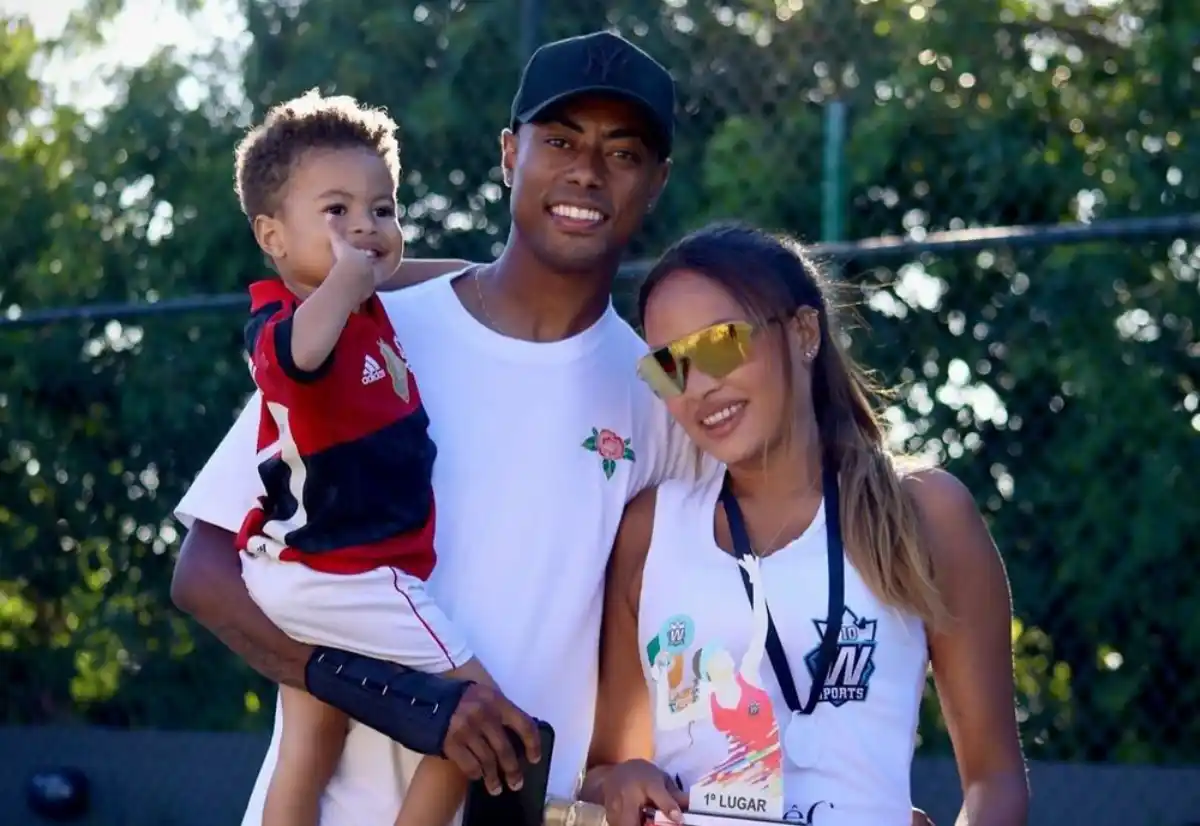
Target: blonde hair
(881,527)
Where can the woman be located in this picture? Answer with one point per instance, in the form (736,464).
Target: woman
(816,552)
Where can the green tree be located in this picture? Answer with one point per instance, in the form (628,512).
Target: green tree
(1059,382)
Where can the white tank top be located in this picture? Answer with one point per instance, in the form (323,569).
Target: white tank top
(846,764)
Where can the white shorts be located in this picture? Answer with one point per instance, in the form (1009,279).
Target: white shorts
(385,613)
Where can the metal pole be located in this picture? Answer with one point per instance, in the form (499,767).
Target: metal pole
(833,173)
(531,24)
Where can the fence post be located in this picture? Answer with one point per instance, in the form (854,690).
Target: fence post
(833,173)
(531,24)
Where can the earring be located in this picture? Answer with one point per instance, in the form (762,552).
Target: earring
(810,355)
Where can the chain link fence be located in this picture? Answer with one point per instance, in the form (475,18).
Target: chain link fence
(1050,360)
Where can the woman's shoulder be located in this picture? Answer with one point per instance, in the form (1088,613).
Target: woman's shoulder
(697,489)
(937,493)
(951,522)
(670,499)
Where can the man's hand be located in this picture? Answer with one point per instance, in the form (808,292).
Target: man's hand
(919,818)
(478,744)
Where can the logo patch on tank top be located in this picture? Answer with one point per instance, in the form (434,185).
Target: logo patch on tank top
(674,638)
(850,675)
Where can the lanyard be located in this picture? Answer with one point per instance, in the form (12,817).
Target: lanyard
(837,605)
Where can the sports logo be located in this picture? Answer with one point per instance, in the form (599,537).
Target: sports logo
(853,663)
(396,369)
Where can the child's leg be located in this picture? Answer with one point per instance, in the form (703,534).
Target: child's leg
(438,788)
(309,750)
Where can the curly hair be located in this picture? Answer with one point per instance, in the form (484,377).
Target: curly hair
(266,157)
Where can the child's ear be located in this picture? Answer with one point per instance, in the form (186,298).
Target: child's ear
(268,232)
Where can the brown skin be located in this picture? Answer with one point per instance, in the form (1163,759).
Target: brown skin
(776,481)
(552,282)
(548,284)
(347,189)
(333,241)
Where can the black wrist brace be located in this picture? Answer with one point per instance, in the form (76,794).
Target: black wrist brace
(411,707)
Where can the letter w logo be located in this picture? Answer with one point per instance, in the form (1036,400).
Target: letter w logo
(852,665)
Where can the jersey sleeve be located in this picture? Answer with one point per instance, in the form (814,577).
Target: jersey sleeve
(268,342)
(229,484)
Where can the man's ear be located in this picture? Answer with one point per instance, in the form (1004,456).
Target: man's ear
(664,175)
(268,232)
(508,155)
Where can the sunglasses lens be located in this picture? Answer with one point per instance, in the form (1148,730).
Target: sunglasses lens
(658,370)
(663,385)
(715,351)
(721,349)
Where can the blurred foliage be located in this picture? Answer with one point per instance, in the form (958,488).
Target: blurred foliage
(1060,383)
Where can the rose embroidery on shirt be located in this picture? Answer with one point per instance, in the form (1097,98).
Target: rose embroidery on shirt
(611,448)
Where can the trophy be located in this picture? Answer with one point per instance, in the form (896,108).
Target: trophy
(724,696)
(578,813)
(574,813)
(703,685)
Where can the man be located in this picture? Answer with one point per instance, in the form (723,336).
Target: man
(543,432)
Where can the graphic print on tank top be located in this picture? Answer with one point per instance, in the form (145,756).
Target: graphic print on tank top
(728,696)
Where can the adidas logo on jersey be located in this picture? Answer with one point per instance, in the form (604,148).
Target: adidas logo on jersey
(372,372)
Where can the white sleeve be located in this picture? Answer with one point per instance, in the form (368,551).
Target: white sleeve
(228,485)
(682,459)
(674,455)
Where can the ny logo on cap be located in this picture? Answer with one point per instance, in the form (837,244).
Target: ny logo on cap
(605,57)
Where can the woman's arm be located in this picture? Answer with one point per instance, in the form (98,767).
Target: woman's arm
(620,775)
(624,727)
(972,656)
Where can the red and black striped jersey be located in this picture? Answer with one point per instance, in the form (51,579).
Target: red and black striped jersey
(345,454)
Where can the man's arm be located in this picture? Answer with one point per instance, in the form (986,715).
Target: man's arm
(208,574)
(208,585)
(419,270)
(425,712)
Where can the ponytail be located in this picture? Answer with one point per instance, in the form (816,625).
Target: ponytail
(880,524)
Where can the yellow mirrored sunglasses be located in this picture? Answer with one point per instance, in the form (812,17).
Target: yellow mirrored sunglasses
(715,351)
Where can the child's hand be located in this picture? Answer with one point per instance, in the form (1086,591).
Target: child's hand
(365,268)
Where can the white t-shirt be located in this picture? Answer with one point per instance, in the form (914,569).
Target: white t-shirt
(540,446)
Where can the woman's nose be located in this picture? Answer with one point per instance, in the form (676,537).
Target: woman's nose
(700,383)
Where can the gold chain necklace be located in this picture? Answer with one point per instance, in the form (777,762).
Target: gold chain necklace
(482,303)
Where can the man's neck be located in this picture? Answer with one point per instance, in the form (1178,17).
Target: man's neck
(527,300)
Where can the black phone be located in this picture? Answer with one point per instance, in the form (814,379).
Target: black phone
(525,807)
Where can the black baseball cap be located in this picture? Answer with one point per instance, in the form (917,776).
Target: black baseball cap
(598,63)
